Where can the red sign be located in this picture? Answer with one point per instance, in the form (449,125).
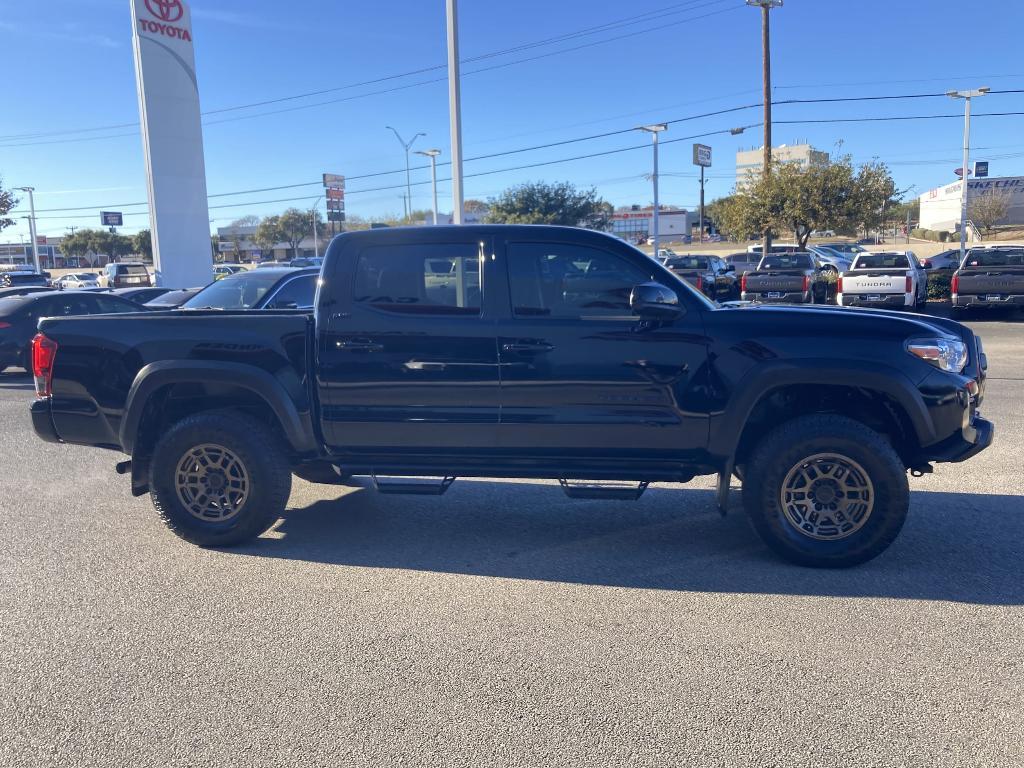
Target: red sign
(40,239)
(165,10)
(335,193)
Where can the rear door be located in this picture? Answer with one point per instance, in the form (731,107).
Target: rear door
(584,377)
(408,362)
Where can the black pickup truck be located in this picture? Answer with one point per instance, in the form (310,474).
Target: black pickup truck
(990,277)
(544,352)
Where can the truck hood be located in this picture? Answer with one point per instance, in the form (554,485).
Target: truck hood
(910,324)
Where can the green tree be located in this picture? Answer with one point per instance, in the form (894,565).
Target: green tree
(7,202)
(268,234)
(249,220)
(541,203)
(295,226)
(142,244)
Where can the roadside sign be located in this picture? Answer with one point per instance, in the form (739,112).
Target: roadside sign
(702,155)
(334,180)
(111,219)
(336,216)
(225,246)
(40,239)
(335,193)
(980,169)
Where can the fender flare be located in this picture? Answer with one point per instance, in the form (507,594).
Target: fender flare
(297,427)
(733,418)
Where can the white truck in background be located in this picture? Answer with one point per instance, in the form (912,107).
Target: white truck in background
(890,279)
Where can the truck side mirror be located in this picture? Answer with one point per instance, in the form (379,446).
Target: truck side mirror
(654,301)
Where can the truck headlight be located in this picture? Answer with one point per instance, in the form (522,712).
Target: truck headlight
(944,354)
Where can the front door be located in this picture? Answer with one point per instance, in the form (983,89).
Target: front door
(581,375)
(408,363)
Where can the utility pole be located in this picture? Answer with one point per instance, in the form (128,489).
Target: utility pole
(700,231)
(432,154)
(766,7)
(406,145)
(966,96)
(312,221)
(32,224)
(654,130)
(455,108)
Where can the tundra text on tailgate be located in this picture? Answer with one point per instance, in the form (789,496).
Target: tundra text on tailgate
(532,352)
(990,277)
(891,279)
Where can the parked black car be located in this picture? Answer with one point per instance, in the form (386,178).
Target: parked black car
(24,290)
(20,314)
(708,274)
(267,288)
(172,299)
(990,277)
(140,295)
(539,352)
(23,279)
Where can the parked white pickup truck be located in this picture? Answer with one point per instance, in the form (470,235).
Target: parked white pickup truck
(883,279)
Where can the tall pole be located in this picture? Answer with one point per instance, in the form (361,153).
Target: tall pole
(455,109)
(406,145)
(700,232)
(32,224)
(966,96)
(432,154)
(312,221)
(766,7)
(654,130)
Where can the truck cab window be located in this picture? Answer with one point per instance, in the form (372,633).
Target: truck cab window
(426,279)
(570,281)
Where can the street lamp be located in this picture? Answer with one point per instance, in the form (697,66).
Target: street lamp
(654,129)
(966,96)
(432,154)
(32,223)
(766,55)
(406,145)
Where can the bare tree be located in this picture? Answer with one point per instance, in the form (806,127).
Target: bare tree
(988,209)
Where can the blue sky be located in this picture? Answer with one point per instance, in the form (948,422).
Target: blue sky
(69,67)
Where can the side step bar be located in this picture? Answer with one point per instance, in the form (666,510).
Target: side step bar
(414,488)
(580,490)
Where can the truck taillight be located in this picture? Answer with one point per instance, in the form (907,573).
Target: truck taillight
(44,351)
(839,284)
(807,283)
(4,325)
(700,283)
(743,282)
(954,285)
(910,284)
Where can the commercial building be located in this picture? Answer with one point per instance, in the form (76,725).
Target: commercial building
(50,256)
(940,207)
(750,162)
(636,224)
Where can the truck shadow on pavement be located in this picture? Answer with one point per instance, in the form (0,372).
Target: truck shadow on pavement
(955,547)
(16,380)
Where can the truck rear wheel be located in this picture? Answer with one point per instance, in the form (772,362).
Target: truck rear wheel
(219,479)
(826,491)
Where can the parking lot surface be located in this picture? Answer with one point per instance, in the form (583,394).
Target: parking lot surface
(507,625)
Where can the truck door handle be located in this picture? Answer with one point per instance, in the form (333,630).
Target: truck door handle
(527,347)
(360,345)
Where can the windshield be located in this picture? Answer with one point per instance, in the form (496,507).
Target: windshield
(992,257)
(881,261)
(786,261)
(239,291)
(687,262)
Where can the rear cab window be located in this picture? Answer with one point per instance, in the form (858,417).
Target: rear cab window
(881,261)
(995,257)
(420,279)
(787,261)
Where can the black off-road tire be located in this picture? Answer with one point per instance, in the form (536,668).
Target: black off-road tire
(265,464)
(784,449)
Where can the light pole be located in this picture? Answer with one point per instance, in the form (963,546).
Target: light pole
(455,108)
(766,7)
(432,154)
(312,221)
(32,224)
(966,96)
(654,130)
(406,145)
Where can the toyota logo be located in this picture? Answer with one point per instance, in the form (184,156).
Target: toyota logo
(165,10)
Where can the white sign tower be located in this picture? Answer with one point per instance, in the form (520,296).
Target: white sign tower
(172,140)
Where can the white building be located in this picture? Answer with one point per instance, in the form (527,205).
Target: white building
(636,224)
(749,162)
(940,207)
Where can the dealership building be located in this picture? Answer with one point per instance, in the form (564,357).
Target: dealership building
(636,224)
(940,207)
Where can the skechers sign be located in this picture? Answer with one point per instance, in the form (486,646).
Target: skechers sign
(165,12)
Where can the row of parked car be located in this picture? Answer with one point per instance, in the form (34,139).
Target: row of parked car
(989,276)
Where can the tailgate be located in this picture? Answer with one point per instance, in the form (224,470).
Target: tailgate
(787,282)
(875,281)
(997,280)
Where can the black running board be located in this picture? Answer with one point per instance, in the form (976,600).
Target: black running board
(580,490)
(414,488)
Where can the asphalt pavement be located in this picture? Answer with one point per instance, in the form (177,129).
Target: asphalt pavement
(505,624)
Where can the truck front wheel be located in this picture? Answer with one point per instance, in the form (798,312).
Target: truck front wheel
(219,479)
(826,491)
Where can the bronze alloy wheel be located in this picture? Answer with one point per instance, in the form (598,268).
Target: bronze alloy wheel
(827,496)
(212,483)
